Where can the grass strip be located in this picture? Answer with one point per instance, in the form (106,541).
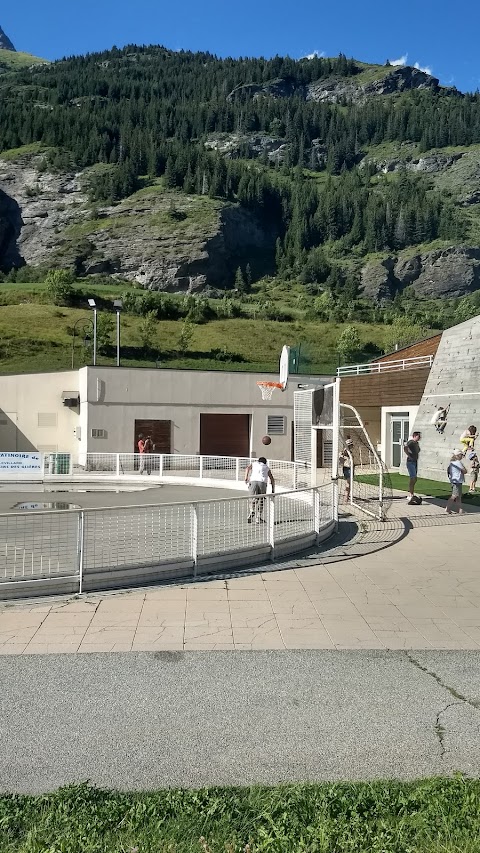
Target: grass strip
(432,488)
(426,816)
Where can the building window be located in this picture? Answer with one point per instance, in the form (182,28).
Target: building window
(98,433)
(47,419)
(276,425)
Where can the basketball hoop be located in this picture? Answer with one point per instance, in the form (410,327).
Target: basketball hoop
(267,389)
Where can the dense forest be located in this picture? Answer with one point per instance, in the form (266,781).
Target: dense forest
(147,111)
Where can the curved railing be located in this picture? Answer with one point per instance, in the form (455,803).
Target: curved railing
(91,549)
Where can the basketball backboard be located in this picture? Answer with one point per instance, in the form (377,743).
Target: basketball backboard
(284,367)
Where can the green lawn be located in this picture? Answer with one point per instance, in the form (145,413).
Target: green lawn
(432,488)
(428,816)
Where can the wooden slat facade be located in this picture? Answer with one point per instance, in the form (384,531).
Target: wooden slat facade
(427,347)
(392,388)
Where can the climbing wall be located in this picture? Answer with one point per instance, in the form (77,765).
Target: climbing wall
(454,379)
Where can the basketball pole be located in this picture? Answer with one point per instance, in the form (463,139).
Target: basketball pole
(335,447)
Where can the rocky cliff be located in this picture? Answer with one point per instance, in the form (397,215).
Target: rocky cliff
(162,239)
(442,273)
(336,89)
(5,43)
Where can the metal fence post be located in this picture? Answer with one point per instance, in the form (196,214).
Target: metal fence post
(160,466)
(316,511)
(271,525)
(195,538)
(118,464)
(237,470)
(81,549)
(201,467)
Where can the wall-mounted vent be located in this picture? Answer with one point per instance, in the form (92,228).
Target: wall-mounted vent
(98,433)
(276,424)
(47,419)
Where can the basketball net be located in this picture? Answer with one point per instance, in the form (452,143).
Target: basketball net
(267,389)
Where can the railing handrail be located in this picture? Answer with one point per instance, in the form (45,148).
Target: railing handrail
(381,366)
(169,504)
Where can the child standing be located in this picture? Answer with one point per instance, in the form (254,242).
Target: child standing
(456,474)
(473,472)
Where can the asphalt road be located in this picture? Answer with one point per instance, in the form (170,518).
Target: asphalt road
(146,720)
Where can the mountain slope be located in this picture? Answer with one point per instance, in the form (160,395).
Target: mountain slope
(312,154)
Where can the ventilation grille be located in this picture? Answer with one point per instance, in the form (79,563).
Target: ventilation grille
(47,419)
(276,424)
(98,433)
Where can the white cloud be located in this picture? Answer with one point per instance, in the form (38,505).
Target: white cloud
(316,54)
(401,61)
(425,68)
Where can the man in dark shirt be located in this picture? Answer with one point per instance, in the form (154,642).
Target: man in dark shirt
(412,450)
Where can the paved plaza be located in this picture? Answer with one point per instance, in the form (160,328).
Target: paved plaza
(412,582)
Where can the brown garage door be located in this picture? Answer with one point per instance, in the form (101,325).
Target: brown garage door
(225,435)
(161,432)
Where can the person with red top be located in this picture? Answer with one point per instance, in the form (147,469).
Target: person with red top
(141,450)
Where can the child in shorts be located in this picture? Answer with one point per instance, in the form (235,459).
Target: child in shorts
(456,474)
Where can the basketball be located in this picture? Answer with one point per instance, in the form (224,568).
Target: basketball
(266,439)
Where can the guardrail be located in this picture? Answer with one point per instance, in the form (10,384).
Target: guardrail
(183,468)
(92,549)
(385,366)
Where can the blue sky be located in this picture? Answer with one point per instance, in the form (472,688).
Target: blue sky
(437,36)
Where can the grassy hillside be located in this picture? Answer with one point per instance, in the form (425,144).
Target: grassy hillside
(15,60)
(37,335)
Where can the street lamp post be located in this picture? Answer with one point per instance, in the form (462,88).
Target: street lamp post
(118,305)
(93,305)
(86,323)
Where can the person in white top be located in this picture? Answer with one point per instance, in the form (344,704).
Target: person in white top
(456,474)
(257,476)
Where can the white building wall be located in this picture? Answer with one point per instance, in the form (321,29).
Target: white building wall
(32,414)
(116,398)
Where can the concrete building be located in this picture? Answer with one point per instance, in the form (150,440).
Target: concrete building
(104,409)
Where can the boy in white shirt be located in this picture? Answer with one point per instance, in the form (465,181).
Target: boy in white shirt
(257,476)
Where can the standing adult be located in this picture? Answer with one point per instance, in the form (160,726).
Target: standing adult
(347,466)
(147,449)
(257,476)
(412,452)
(141,450)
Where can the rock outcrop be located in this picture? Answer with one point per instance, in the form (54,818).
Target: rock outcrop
(338,89)
(5,43)
(431,164)
(442,273)
(257,145)
(159,238)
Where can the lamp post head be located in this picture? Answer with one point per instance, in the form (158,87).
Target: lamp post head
(92,303)
(118,304)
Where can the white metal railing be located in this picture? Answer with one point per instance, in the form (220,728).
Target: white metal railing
(183,468)
(385,366)
(77,550)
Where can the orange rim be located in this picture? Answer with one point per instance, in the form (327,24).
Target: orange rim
(270,384)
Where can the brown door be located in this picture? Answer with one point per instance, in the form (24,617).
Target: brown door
(225,435)
(161,432)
